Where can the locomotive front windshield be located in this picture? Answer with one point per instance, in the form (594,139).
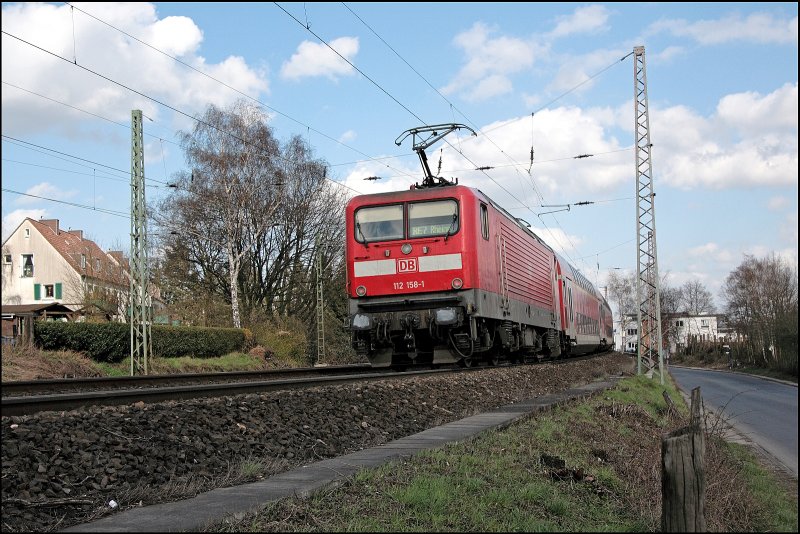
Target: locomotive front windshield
(425,219)
(379,223)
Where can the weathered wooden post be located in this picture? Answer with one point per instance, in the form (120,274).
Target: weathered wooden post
(683,477)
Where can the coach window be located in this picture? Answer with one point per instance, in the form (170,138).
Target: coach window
(379,223)
(426,219)
(484,221)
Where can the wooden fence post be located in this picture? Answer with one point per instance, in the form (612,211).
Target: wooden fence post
(683,478)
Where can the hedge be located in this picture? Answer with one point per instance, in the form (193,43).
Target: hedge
(111,342)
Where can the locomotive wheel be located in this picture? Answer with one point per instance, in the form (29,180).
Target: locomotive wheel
(493,358)
(467,361)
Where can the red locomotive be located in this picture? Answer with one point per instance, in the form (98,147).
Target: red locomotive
(441,274)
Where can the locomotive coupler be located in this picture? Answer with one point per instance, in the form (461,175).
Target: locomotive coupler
(410,321)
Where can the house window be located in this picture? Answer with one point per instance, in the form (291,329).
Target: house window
(704,323)
(27,233)
(27,266)
(49,291)
(632,331)
(7,259)
(97,265)
(83,261)
(678,323)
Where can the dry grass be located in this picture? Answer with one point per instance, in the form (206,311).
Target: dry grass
(24,362)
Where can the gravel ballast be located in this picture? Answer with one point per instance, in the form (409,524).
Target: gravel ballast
(63,468)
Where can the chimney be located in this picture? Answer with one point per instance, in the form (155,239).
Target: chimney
(78,233)
(50,223)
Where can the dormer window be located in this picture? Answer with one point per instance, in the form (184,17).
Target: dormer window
(97,265)
(83,261)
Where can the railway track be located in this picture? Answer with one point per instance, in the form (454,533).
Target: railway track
(69,385)
(29,398)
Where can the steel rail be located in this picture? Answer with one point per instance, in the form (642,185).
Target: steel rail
(30,404)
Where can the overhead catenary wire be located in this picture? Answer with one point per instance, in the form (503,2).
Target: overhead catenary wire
(83,206)
(452,106)
(112,121)
(176,110)
(243,94)
(376,84)
(307,26)
(20,142)
(483,168)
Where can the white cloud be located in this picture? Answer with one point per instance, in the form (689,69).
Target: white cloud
(489,62)
(111,53)
(488,87)
(756,28)
(576,72)
(667,55)
(587,19)
(347,136)
(46,190)
(555,174)
(13,219)
(751,141)
(177,36)
(711,252)
(752,112)
(316,59)
(777,203)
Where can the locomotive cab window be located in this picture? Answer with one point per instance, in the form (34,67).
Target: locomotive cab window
(427,219)
(379,223)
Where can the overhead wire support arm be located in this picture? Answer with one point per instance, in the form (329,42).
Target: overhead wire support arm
(435,133)
(564,207)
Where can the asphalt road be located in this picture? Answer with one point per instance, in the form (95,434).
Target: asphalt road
(763,410)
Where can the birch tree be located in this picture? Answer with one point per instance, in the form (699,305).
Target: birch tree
(226,202)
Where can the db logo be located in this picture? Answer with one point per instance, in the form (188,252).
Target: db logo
(407,265)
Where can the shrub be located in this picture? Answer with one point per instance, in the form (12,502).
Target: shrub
(110,342)
(284,338)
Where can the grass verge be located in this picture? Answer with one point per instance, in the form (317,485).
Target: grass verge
(588,466)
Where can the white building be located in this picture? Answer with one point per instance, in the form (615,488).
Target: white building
(44,264)
(677,331)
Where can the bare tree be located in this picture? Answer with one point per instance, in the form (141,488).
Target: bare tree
(227,201)
(761,304)
(695,299)
(670,299)
(622,290)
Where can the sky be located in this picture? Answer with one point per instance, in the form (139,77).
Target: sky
(552,79)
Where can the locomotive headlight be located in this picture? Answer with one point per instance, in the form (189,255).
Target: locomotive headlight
(360,321)
(446,316)
(406,248)
(361,291)
(457,283)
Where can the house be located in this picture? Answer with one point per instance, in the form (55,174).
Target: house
(44,264)
(682,329)
(678,330)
